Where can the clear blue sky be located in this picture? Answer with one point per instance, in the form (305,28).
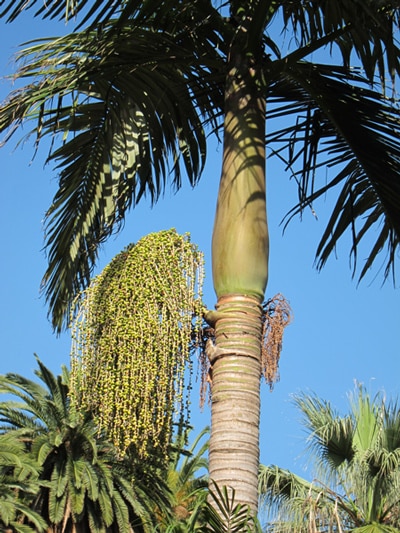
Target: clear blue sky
(341,332)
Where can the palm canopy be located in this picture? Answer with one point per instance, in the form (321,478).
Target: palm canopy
(357,474)
(81,482)
(128,101)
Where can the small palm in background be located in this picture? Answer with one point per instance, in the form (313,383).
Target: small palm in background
(357,477)
(83,486)
(187,481)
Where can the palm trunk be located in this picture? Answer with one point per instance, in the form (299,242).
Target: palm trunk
(235,409)
(240,271)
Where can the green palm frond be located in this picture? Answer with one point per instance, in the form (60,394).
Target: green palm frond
(12,456)
(193,459)
(367,424)
(342,124)
(283,493)
(281,483)
(121,513)
(131,104)
(361,490)
(105,504)
(330,438)
(187,481)
(225,515)
(295,504)
(12,513)
(365,28)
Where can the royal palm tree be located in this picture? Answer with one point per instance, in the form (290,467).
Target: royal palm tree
(83,486)
(133,93)
(357,475)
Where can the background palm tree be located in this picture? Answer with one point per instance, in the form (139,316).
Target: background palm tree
(83,486)
(133,97)
(19,474)
(187,481)
(357,475)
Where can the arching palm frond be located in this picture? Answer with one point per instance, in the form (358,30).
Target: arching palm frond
(130,107)
(187,481)
(366,28)
(345,124)
(295,504)
(67,9)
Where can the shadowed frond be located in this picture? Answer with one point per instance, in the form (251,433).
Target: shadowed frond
(341,123)
(130,108)
(364,28)
(67,9)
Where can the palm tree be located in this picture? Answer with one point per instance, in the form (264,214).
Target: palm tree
(83,486)
(132,95)
(19,475)
(357,458)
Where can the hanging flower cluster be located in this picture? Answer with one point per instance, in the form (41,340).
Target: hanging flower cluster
(133,333)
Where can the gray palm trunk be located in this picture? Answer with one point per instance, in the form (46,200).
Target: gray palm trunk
(240,271)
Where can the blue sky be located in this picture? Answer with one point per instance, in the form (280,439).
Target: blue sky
(341,333)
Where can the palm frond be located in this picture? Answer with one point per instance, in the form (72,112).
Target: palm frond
(359,490)
(129,106)
(223,514)
(341,123)
(330,437)
(81,480)
(276,485)
(295,504)
(65,9)
(195,459)
(364,28)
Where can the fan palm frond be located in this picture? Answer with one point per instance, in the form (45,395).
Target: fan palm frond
(357,477)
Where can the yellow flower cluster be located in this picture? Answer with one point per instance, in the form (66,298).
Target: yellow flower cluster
(133,333)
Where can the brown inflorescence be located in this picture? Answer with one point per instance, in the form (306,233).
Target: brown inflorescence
(277,315)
